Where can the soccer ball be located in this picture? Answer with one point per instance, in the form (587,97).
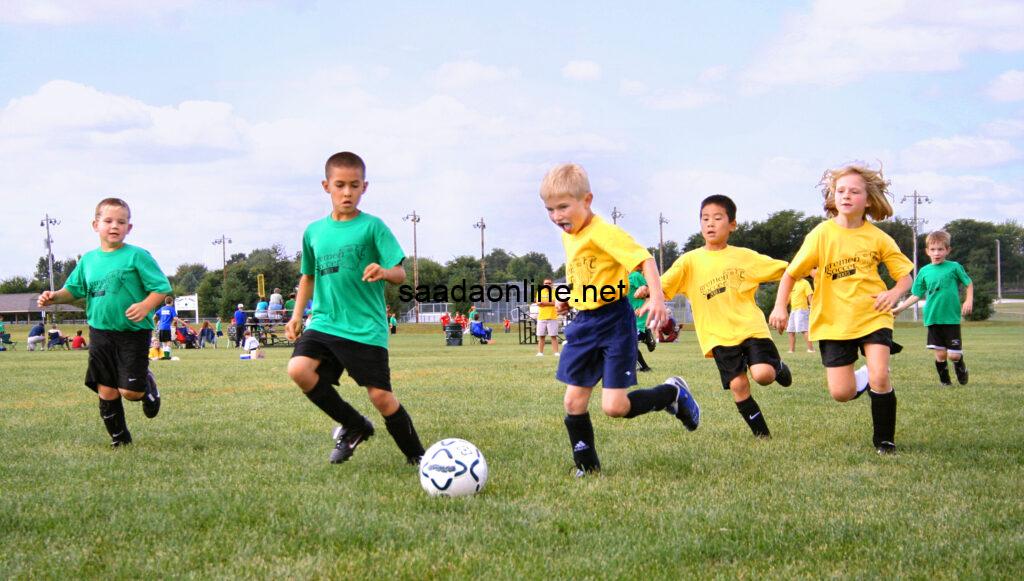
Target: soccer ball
(453,467)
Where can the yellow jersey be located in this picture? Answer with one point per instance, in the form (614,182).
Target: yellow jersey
(545,295)
(848,279)
(798,297)
(598,260)
(721,285)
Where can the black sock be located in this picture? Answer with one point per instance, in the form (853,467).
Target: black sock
(327,398)
(883,416)
(112,413)
(581,438)
(943,368)
(400,427)
(640,360)
(657,398)
(751,413)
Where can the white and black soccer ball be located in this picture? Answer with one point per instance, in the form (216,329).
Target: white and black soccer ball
(453,467)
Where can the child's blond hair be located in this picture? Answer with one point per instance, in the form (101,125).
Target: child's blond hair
(567,178)
(875,183)
(113,202)
(938,237)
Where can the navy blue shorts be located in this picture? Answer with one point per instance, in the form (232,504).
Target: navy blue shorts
(600,345)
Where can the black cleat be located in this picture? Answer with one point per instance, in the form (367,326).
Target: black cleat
(885,448)
(346,441)
(121,439)
(151,401)
(644,369)
(783,376)
(649,340)
(585,471)
(413,460)
(961,371)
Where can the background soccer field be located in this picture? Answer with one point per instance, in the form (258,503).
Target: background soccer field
(232,479)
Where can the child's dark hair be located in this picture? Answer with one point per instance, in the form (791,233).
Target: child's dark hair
(344,159)
(168,300)
(723,201)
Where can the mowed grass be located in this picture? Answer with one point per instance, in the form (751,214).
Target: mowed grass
(232,479)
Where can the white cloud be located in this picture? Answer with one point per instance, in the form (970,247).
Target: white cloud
(958,196)
(461,74)
(958,152)
(582,71)
(1009,86)
(1005,128)
(632,88)
(64,12)
(839,42)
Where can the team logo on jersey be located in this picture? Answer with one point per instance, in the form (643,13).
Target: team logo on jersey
(863,261)
(731,278)
(348,257)
(111,283)
(581,270)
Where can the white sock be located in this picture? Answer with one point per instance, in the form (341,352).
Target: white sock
(861,378)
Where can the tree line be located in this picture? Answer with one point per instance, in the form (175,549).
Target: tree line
(778,236)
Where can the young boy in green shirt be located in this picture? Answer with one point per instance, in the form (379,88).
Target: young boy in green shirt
(122,285)
(346,258)
(939,284)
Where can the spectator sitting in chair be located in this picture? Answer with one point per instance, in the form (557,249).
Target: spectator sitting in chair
(36,336)
(276,307)
(56,338)
(206,335)
(78,341)
(478,330)
(261,308)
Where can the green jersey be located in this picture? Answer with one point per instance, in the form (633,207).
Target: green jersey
(938,284)
(336,253)
(637,280)
(113,281)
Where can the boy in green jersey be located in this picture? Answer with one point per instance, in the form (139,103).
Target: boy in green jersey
(122,285)
(346,258)
(939,284)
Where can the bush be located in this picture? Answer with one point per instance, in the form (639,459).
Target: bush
(984,294)
(765,297)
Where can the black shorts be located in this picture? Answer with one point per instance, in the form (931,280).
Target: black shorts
(842,352)
(165,335)
(945,337)
(366,364)
(118,359)
(733,360)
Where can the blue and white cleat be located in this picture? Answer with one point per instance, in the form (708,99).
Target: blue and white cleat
(684,408)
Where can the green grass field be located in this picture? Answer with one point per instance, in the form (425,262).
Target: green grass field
(232,479)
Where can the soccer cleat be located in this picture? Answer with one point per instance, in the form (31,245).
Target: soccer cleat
(783,376)
(885,448)
(961,371)
(413,460)
(151,401)
(644,369)
(121,439)
(684,408)
(539,354)
(346,441)
(649,340)
(585,471)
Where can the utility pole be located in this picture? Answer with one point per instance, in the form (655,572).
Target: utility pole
(415,219)
(223,241)
(482,226)
(662,220)
(917,200)
(616,214)
(46,222)
(999,275)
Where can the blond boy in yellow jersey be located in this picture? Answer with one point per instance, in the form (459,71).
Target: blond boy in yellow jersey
(720,281)
(600,343)
(800,312)
(852,308)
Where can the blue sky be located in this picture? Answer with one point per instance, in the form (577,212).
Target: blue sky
(214,118)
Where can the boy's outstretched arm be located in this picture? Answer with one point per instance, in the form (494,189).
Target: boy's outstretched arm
(885,301)
(293,328)
(780,316)
(139,310)
(375,272)
(657,312)
(906,304)
(968,301)
(60,297)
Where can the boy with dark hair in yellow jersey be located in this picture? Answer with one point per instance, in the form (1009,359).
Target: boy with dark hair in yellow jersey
(720,281)
(346,258)
(600,343)
(852,308)
(122,285)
